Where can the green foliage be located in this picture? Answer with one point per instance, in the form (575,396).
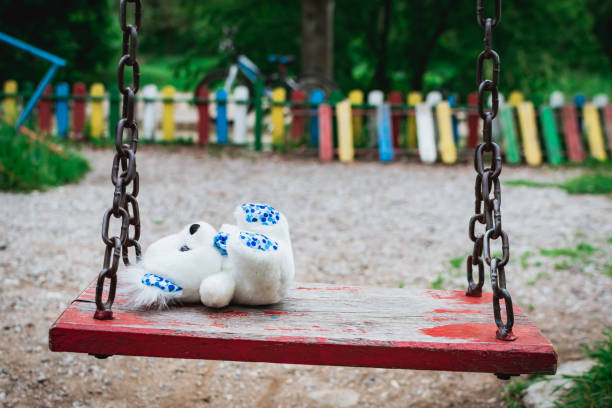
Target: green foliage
(85,33)
(544,45)
(27,164)
(594,387)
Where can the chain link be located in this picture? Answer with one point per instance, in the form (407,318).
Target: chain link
(123,171)
(488,207)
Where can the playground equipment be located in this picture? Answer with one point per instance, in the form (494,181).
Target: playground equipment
(242,71)
(345,325)
(56,63)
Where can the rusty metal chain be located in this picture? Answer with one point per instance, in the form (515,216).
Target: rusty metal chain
(123,171)
(488,189)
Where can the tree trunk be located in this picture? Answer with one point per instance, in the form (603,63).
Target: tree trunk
(318,37)
(381,78)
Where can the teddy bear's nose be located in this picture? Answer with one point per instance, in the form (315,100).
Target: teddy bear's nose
(194,228)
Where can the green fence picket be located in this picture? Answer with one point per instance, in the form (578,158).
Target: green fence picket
(551,136)
(508,128)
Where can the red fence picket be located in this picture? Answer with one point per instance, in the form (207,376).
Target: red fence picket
(326,148)
(298,114)
(79,92)
(44,110)
(575,151)
(203,115)
(607,116)
(395,98)
(473,121)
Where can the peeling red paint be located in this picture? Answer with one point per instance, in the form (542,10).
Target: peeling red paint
(458,296)
(220,325)
(275,313)
(440,319)
(457,311)
(527,334)
(227,314)
(285,329)
(350,289)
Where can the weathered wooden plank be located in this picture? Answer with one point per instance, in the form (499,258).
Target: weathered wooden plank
(317,324)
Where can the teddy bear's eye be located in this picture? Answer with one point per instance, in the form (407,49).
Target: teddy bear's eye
(184,248)
(194,228)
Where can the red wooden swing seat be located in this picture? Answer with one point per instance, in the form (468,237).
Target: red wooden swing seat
(317,324)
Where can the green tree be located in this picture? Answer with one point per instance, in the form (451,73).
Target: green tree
(84,32)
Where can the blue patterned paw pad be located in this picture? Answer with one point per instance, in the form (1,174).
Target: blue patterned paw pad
(261,213)
(258,241)
(165,285)
(221,242)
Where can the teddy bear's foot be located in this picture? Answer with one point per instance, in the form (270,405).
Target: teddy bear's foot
(217,290)
(263,219)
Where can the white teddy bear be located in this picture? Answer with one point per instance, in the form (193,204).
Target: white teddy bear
(250,263)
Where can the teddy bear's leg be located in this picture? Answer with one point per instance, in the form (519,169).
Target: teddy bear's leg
(217,290)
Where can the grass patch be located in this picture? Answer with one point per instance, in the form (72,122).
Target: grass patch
(438,283)
(457,261)
(597,183)
(582,249)
(594,387)
(592,183)
(608,270)
(512,394)
(28,162)
(528,183)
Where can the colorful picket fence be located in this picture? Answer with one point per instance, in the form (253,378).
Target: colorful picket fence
(390,126)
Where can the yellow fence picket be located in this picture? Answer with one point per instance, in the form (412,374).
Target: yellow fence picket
(10,101)
(448,151)
(96,121)
(593,130)
(279,95)
(168,113)
(346,152)
(515,99)
(529,133)
(356,98)
(414,98)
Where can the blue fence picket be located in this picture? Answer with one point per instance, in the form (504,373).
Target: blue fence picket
(62,91)
(221,99)
(383,119)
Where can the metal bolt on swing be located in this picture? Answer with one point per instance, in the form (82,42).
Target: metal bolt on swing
(487,208)
(123,171)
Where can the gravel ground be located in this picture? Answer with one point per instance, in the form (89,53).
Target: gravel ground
(366,224)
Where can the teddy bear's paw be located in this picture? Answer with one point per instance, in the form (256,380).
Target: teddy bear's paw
(217,290)
(148,290)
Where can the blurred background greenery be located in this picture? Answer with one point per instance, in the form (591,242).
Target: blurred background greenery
(387,44)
